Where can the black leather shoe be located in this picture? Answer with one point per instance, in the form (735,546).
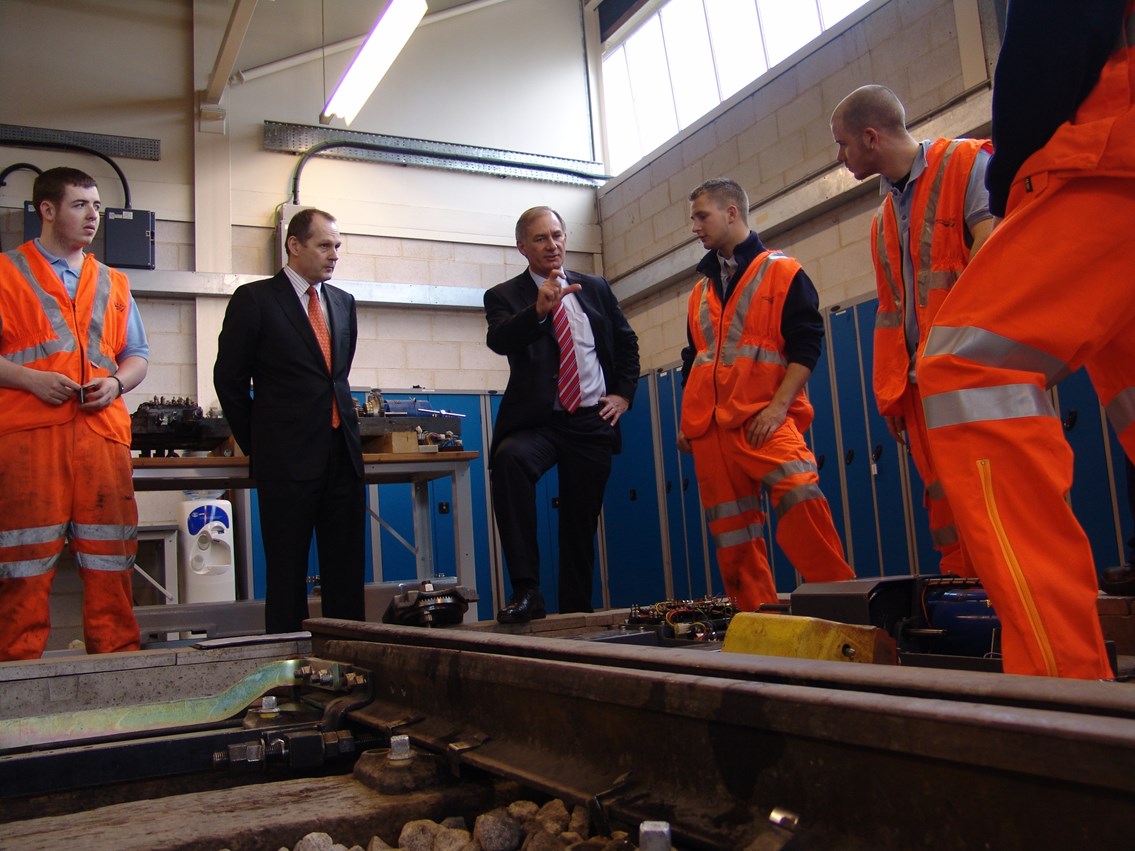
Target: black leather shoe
(523,607)
(1119,581)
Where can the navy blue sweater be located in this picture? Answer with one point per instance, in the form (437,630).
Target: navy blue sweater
(1050,60)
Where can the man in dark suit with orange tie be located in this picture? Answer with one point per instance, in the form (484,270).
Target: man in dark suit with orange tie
(574,370)
(284,355)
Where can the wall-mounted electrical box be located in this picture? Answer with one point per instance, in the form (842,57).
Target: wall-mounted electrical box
(129,236)
(32,224)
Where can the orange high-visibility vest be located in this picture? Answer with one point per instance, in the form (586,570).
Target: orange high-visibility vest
(739,361)
(41,328)
(938,207)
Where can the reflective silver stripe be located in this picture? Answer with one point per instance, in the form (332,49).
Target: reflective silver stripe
(790,468)
(98,562)
(757,353)
(744,302)
(944,537)
(64,340)
(989,349)
(942,279)
(732,509)
(926,278)
(28,568)
(986,404)
(1121,410)
(935,491)
(98,318)
(796,496)
(738,536)
(103,532)
(32,535)
(707,329)
(888,319)
(881,251)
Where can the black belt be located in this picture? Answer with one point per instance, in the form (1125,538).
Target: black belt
(587,409)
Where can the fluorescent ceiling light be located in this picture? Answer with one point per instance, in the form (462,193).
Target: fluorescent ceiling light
(391,32)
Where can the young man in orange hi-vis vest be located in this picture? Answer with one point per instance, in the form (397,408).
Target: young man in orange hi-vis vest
(71,343)
(1050,291)
(934,216)
(755,334)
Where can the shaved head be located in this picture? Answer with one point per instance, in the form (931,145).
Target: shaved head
(872,106)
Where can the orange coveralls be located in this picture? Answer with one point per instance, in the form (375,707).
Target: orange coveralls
(64,472)
(1051,290)
(738,365)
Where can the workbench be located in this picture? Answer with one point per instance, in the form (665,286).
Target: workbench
(417,469)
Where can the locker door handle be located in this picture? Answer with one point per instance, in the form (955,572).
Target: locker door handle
(1069,421)
(878,452)
(555,502)
(820,462)
(685,484)
(849,457)
(634,494)
(669,486)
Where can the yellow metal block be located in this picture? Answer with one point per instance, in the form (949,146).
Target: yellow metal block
(808,638)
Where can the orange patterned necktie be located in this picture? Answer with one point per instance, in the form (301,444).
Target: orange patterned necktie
(323,335)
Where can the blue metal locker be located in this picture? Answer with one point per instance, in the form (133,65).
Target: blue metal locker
(887,458)
(694,575)
(824,441)
(1125,510)
(862,544)
(1093,499)
(635,565)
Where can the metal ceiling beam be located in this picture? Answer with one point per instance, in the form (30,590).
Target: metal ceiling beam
(235,32)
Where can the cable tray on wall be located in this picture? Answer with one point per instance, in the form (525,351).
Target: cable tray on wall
(128,147)
(398,150)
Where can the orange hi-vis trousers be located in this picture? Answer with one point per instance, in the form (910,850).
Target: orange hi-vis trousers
(58,482)
(731,474)
(1052,290)
(943,530)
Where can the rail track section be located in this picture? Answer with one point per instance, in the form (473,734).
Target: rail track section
(837,755)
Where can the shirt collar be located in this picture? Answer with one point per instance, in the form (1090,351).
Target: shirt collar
(59,264)
(300,283)
(743,253)
(539,279)
(916,169)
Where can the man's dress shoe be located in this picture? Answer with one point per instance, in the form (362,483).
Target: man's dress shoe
(523,607)
(1119,581)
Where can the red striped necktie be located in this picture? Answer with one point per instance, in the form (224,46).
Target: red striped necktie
(323,335)
(568,382)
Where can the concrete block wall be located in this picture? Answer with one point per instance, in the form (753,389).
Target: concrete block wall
(776,140)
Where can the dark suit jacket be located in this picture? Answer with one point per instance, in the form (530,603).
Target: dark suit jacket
(267,342)
(534,355)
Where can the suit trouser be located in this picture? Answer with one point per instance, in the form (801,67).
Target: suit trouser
(1052,289)
(580,446)
(943,530)
(333,507)
(58,482)
(731,474)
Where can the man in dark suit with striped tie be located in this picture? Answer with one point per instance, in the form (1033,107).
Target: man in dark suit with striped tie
(290,340)
(574,368)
